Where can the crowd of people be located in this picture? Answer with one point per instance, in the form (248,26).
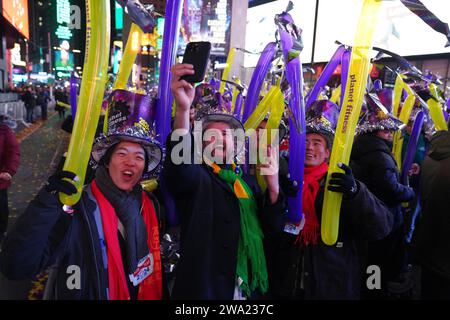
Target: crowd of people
(233,242)
(36,99)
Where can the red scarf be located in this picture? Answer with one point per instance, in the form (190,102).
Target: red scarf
(151,287)
(311,185)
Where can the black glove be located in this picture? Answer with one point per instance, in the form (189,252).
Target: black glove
(343,182)
(289,187)
(57,184)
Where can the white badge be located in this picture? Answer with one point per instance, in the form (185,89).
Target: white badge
(294,229)
(143,270)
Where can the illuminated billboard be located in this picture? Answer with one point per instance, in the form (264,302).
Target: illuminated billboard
(398,29)
(63,60)
(206,20)
(16,12)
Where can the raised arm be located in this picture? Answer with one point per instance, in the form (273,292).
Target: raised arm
(183,93)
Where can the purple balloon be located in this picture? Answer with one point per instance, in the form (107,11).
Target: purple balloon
(215,83)
(345,64)
(168,55)
(404,94)
(446,115)
(297,139)
(165,98)
(412,146)
(377,85)
(238,106)
(263,66)
(138,14)
(73,95)
(325,76)
(446,110)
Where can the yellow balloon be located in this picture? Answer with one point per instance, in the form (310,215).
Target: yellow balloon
(226,71)
(276,113)
(336,95)
(436,112)
(149,185)
(126,64)
(397,94)
(62,104)
(405,113)
(261,110)
(129,57)
(233,100)
(91,93)
(348,118)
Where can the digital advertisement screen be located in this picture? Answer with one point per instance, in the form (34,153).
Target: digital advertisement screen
(117,56)
(206,20)
(397,30)
(16,12)
(63,60)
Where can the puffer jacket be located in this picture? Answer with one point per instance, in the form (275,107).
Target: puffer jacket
(431,246)
(9,154)
(46,237)
(373,163)
(323,272)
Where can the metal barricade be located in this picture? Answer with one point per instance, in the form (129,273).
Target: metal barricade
(8,97)
(16,110)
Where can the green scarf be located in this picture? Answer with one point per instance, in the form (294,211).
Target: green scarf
(250,247)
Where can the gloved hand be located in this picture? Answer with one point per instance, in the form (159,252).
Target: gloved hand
(289,187)
(343,182)
(57,184)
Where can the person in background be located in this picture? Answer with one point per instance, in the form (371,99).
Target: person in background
(9,163)
(29,98)
(373,163)
(303,266)
(42,101)
(431,246)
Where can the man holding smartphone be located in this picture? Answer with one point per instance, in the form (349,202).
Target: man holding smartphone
(222,211)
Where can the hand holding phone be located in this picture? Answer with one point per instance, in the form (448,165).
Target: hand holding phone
(197,54)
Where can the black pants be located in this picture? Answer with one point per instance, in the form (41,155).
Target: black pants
(44,111)
(29,117)
(61,112)
(434,286)
(4,212)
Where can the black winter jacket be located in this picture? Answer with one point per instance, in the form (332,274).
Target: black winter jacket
(329,272)
(210,228)
(373,164)
(44,236)
(432,244)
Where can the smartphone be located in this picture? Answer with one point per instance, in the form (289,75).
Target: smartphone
(197,54)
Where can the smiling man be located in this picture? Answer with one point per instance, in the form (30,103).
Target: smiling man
(108,247)
(303,266)
(221,208)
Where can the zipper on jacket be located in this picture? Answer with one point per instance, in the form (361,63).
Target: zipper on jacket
(93,248)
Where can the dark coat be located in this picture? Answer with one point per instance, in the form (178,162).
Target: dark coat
(210,228)
(329,272)
(9,154)
(373,163)
(44,236)
(432,245)
(29,99)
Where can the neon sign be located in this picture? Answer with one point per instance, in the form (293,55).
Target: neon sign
(63,17)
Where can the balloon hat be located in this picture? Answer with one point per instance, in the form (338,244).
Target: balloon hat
(130,118)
